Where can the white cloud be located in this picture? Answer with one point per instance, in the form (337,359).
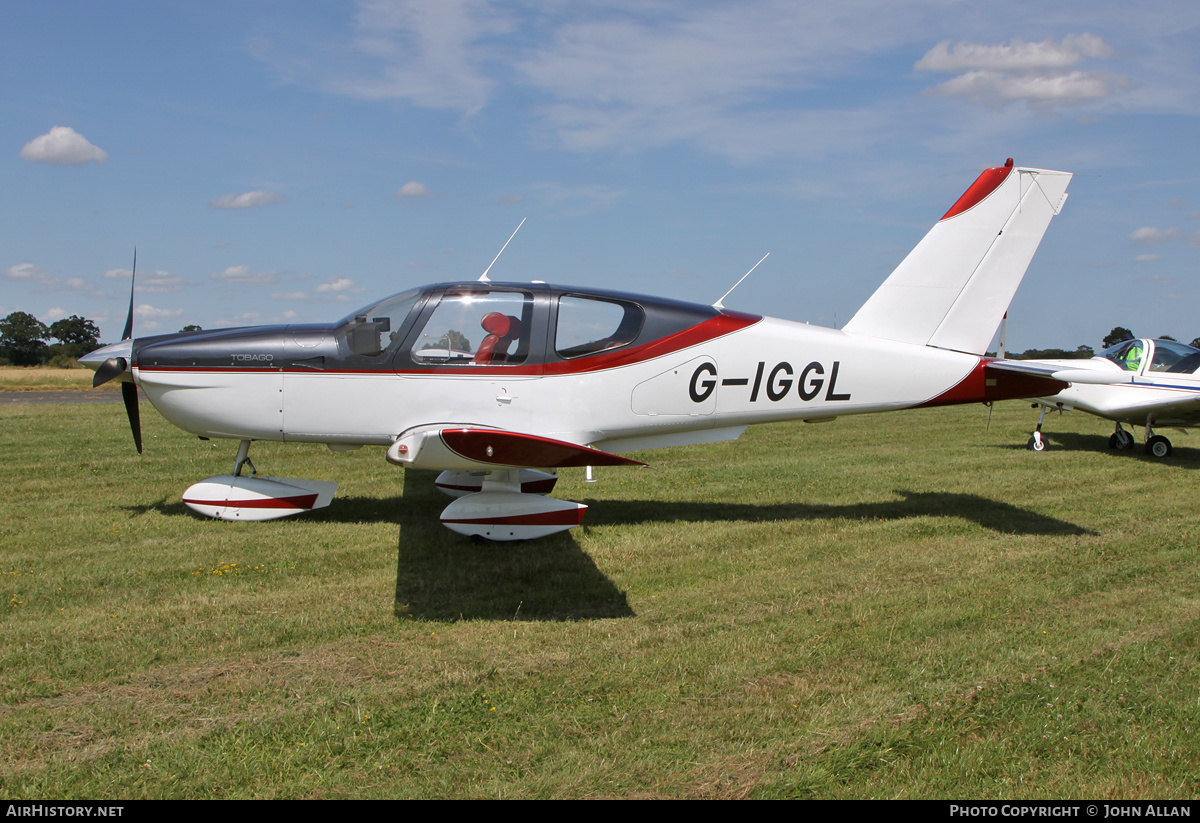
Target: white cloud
(992,86)
(247,200)
(579,199)
(250,318)
(242,274)
(1038,73)
(63,146)
(412,189)
(29,273)
(1146,258)
(616,75)
(52,314)
(1015,56)
(149,312)
(157,281)
(425,51)
(291,295)
(1149,235)
(335,284)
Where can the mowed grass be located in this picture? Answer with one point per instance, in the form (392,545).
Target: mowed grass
(902,605)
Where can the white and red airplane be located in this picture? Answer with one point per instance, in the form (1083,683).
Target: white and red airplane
(1143,382)
(493,382)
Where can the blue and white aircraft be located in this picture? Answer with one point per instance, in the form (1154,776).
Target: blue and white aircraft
(1142,382)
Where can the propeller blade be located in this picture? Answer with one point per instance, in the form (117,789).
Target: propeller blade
(129,394)
(129,318)
(110,369)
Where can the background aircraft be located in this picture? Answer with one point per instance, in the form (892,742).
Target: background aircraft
(1142,382)
(490,382)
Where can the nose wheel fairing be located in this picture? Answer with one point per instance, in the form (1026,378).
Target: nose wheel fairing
(235,497)
(228,497)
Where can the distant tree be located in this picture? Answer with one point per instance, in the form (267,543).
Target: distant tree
(1115,336)
(1081,353)
(1195,344)
(78,335)
(191,327)
(23,339)
(1166,337)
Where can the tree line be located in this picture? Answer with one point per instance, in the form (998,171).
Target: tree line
(1114,337)
(25,340)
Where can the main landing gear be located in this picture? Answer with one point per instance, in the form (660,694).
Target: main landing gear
(1156,444)
(1037,443)
(506,505)
(1120,440)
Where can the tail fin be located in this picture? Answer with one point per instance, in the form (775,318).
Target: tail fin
(953,289)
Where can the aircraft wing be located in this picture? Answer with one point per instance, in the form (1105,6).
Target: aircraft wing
(1079,371)
(478,448)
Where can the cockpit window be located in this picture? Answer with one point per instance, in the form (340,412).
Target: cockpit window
(587,325)
(1127,354)
(475,326)
(1172,356)
(369,332)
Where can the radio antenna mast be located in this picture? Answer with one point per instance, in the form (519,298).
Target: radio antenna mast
(720,304)
(483,278)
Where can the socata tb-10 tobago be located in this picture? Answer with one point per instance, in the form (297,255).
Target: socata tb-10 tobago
(491,382)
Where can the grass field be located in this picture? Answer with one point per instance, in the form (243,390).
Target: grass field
(904,605)
(39,378)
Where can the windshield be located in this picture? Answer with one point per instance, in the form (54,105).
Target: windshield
(371,330)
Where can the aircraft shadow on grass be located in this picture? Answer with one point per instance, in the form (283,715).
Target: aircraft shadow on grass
(442,576)
(989,514)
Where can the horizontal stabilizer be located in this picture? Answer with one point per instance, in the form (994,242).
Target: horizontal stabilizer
(1077,372)
(953,289)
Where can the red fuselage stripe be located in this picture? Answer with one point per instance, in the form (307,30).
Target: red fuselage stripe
(566,517)
(984,385)
(302,501)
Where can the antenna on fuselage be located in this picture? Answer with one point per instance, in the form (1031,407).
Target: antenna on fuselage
(720,304)
(483,278)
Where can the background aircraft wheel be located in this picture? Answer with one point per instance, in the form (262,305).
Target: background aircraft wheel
(1158,446)
(1037,443)
(1121,440)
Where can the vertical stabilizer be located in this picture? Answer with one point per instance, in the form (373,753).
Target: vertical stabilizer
(953,289)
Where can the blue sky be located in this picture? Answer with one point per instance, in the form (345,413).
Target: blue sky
(290,161)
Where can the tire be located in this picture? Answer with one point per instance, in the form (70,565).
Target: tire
(1036,444)
(1121,440)
(1158,446)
